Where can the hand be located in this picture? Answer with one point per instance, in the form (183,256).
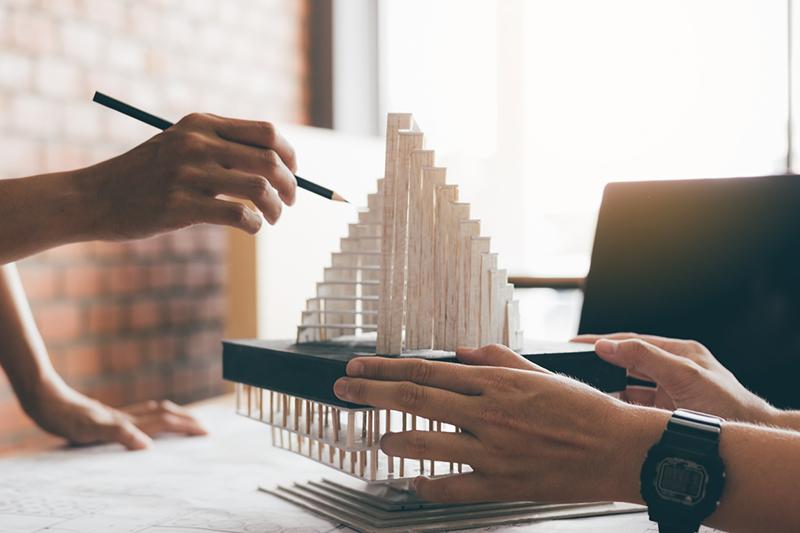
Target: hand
(174,179)
(686,373)
(527,434)
(66,413)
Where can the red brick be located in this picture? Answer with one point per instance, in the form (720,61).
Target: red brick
(204,345)
(17,71)
(126,55)
(126,279)
(123,355)
(164,275)
(83,280)
(59,156)
(105,318)
(81,41)
(112,393)
(82,362)
(82,123)
(144,315)
(212,306)
(150,387)
(35,115)
(181,310)
(162,347)
(184,242)
(57,78)
(197,275)
(41,282)
(33,30)
(19,156)
(13,418)
(107,15)
(182,381)
(59,321)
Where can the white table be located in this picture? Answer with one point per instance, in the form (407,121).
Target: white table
(186,485)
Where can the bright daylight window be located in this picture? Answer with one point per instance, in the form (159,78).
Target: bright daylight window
(535,105)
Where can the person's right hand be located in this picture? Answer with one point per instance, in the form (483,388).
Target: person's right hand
(686,373)
(176,178)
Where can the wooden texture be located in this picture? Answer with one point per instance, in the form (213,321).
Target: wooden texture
(414,269)
(445,196)
(409,141)
(394,123)
(418,207)
(467,230)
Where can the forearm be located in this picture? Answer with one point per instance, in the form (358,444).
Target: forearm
(762,466)
(785,420)
(41,212)
(23,355)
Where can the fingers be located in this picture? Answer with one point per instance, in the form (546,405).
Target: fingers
(640,395)
(456,378)
(436,445)
(496,355)
(158,417)
(262,161)
(641,357)
(470,487)
(676,346)
(215,211)
(259,134)
(243,185)
(427,402)
(125,433)
(155,423)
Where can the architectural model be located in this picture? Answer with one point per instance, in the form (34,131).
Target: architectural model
(413,277)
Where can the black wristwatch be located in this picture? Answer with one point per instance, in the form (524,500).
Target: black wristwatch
(683,475)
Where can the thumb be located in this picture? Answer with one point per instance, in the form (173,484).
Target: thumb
(496,355)
(127,434)
(669,371)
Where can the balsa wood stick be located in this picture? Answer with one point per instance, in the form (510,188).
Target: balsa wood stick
(394,123)
(408,142)
(445,196)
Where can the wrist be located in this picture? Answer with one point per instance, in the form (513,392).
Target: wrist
(638,430)
(80,203)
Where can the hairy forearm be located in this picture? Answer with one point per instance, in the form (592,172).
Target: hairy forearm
(784,419)
(23,355)
(41,212)
(762,466)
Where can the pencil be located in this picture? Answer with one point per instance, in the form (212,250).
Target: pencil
(162,124)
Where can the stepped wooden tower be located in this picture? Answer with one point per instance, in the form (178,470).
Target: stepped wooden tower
(414,268)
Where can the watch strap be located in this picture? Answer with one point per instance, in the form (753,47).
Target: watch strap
(693,432)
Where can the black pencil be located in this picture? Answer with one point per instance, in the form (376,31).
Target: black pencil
(160,123)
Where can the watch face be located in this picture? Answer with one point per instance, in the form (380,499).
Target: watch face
(681,480)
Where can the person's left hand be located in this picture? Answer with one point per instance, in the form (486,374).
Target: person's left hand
(81,420)
(528,434)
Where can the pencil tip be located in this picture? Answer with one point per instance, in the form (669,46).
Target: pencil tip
(338,198)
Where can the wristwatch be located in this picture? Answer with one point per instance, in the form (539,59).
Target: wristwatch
(683,475)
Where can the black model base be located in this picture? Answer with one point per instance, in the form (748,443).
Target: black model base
(309,370)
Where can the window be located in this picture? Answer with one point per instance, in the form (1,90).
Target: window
(535,105)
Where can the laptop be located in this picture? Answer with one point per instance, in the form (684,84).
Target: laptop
(713,260)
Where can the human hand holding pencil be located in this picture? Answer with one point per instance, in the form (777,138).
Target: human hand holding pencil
(200,158)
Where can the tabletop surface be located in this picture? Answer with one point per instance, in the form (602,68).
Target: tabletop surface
(188,485)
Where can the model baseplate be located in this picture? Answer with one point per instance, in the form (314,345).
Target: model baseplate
(290,387)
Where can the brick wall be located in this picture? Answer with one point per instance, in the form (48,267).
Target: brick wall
(140,320)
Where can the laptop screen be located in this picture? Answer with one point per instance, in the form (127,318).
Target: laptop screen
(713,260)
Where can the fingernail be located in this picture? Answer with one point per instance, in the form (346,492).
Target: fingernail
(355,368)
(606,346)
(340,388)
